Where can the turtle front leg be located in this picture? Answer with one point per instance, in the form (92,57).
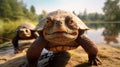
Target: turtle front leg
(90,48)
(35,50)
(15,44)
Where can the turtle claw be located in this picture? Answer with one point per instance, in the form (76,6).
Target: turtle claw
(17,50)
(93,60)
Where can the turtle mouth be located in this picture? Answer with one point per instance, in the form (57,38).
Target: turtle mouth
(61,37)
(60,33)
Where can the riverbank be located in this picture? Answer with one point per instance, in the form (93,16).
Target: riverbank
(109,56)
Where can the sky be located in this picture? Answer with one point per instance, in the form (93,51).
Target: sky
(69,5)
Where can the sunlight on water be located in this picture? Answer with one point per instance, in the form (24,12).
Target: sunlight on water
(97,36)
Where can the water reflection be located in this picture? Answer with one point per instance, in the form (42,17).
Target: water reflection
(109,33)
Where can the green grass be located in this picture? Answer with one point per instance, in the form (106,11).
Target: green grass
(6,44)
(1,26)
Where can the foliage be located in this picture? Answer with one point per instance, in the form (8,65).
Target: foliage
(95,17)
(16,10)
(5,9)
(1,27)
(91,16)
(42,15)
(85,17)
(32,14)
(112,10)
(32,9)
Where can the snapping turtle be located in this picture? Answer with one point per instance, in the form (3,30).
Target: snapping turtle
(24,31)
(60,31)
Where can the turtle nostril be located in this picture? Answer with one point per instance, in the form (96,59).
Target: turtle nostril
(58,23)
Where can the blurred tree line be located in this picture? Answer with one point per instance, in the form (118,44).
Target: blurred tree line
(90,17)
(111,11)
(15,10)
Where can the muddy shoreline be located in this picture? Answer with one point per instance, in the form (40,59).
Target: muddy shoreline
(110,57)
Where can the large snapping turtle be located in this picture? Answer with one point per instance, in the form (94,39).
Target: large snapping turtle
(24,31)
(61,31)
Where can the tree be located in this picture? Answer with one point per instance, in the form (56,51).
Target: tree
(17,10)
(85,15)
(74,13)
(112,10)
(43,14)
(80,15)
(5,9)
(32,9)
(31,14)
(95,16)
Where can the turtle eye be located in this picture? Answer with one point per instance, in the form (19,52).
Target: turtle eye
(69,20)
(26,30)
(70,23)
(48,22)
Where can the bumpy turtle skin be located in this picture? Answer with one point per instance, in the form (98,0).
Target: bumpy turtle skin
(15,40)
(90,48)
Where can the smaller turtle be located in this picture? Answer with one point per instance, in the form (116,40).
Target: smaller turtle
(24,31)
(60,31)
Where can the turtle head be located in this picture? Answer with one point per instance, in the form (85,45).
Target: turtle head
(61,27)
(24,32)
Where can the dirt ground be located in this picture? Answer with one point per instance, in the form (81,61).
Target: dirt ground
(109,56)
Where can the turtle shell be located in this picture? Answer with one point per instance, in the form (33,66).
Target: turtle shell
(26,25)
(61,13)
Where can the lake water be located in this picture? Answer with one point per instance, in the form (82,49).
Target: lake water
(104,33)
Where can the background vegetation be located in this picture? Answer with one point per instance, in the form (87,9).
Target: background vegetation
(15,12)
